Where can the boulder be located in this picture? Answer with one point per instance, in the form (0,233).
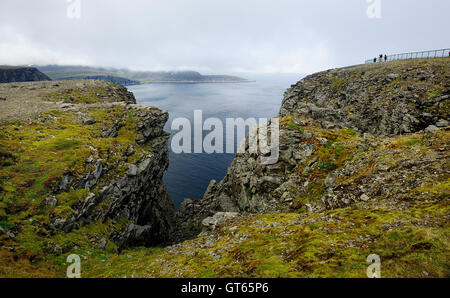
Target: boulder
(442,123)
(431,129)
(211,223)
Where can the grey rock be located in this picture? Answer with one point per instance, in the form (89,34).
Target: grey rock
(130,150)
(211,186)
(330,181)
(90,159)
(304,151)
(211,223)
(272,180)
(88,121)
(91,179)
(364,198)
(110,133)
(102,243)
(51,201)
(64,183)
(431,129)
(132,170)
(313,161)
(442,123)
(322,140)
(391,77)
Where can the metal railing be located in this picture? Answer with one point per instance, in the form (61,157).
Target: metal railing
(414,55)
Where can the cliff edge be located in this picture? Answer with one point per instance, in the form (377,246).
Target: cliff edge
(363,170)
(81,166)
(339,126)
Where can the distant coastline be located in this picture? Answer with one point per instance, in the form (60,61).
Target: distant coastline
(199,82)
(129,77)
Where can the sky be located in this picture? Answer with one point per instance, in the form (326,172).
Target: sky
(218,36)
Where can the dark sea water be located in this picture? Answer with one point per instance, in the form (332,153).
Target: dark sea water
(188,175)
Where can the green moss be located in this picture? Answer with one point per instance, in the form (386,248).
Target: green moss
(351,132)
(33,159)
(6,225)
(327,166)
(329,244)
(338,83)
(294,126)
(88,95)
(411,142)
(435,91)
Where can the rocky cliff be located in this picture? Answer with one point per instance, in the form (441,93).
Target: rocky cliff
(339,133)
(363,148)
(10,74)
(363,170)
(84,168)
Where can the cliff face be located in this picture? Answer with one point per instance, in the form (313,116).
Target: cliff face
(21,74)
(379,100)
(84,169)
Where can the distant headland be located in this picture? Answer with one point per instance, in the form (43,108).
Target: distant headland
(129,77)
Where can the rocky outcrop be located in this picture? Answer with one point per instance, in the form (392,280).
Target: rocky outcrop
(379,100)
(220,218)
(111,155)
(337,136)
(138,196)
(21,74)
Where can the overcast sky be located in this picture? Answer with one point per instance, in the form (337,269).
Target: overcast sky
(218,36)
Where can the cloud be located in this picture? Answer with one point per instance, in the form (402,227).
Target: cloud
(16,49)
(219,36)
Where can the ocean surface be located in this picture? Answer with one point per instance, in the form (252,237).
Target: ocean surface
(188,175)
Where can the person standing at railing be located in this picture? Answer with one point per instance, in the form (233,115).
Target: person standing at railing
(381,57)
(385,58)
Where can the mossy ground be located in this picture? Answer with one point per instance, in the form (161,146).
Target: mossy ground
(89,94)
(34,157)
(330,244)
